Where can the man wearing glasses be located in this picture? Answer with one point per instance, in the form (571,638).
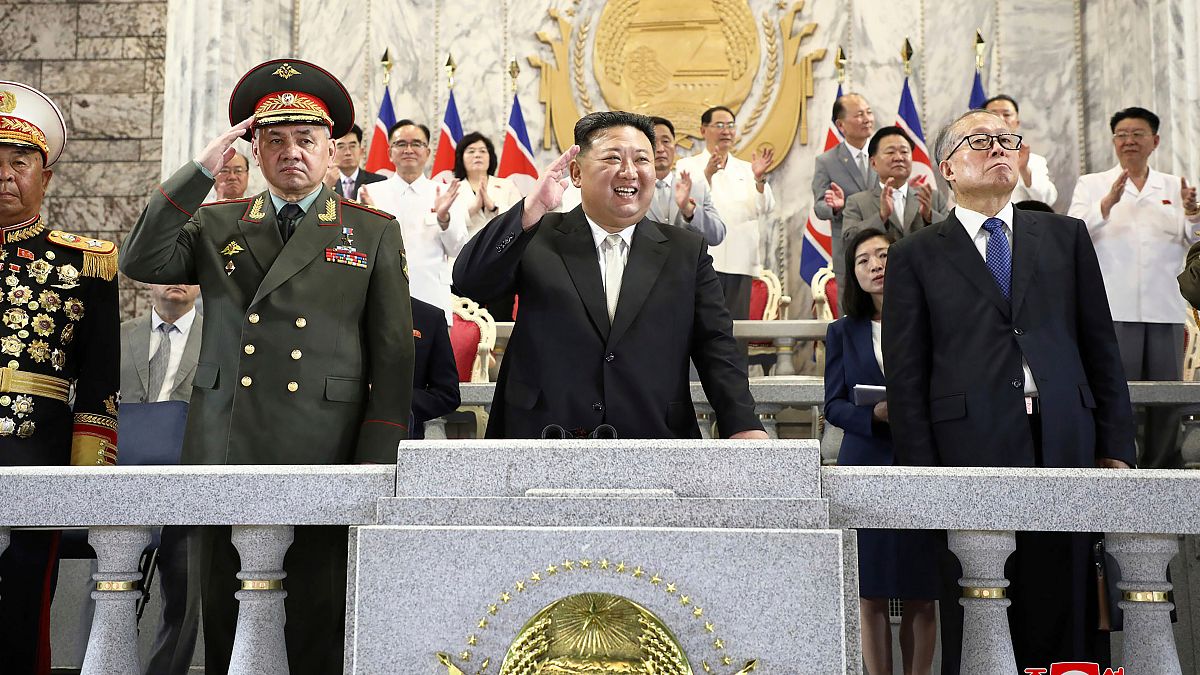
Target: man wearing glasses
(434,228)
(1142,222)
(1000,352)
(233,178)
(743,199)
(347,176)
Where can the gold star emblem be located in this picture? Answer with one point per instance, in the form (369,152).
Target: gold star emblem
(492,610)
(638,573)
(719,644)
(655,580)
(483,623)
(520,586)
(708,626)
(698,612)
(535,577)
(285,71)
(465,656)
(505,597)
(552,570)
(604,563)
(585,564)
(685,600)
(725,660)
(568,565)
(472,640)
(620,568)
(671,588)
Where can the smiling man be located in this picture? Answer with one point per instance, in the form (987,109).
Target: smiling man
(307,350)
(1000,351)
(894,203)
(612,305)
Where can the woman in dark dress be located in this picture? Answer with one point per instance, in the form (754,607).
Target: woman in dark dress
(891,563)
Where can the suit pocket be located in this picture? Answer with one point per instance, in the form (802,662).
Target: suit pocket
(1085,394)
(681,415)
(345,389)
(521,395)
(946,408)
(207,375)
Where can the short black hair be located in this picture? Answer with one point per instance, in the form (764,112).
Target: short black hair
(409,123)
(839,105)
(655,121)
(1001,97)
(356,130)
(706,117)
(883,133)
(460,170)
(1134,113)
(856,302)
(593,123)
(1034,205)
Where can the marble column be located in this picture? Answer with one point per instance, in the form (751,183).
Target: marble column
(112,644)
(987,641)
(1149,640)
(258,645)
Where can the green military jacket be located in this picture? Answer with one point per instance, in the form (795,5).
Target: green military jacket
(1189,279)
(307,349)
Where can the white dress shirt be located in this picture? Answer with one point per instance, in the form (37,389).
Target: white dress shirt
(877,342)
(972,221)
(178,342)
(861,159)
(347,183)
(1040,187)
(427,246)
(899,197)
(746,212)
(599,234)
(1141,245)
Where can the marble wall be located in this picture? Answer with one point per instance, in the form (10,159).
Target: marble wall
(1054,56)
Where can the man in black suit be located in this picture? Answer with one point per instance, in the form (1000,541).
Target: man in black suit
(349,175)
(435,376)
(612,304)
(1000,351)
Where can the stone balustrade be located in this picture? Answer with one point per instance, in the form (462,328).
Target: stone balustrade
(765,486)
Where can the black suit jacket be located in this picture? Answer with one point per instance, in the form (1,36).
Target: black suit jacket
(364,177)
(566,365)
(952,346)
(435,376)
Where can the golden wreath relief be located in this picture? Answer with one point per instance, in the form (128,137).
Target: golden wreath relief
(676,59)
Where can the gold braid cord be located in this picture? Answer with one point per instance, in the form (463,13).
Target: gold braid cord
(772,71)
(580,86)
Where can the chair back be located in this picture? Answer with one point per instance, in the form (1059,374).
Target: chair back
(472,337)
(825,294)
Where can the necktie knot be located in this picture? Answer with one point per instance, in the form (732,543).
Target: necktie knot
(661,184)
(993,225)
(289,215)
(613,242)
(166,328)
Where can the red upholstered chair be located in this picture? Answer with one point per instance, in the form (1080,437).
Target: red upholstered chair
(825,294)
(767,303)
(1191,347)
(472,337)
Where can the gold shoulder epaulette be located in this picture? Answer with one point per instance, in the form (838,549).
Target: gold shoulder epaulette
(99,255)
(368,209)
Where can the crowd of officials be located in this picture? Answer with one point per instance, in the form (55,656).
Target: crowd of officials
(1010,331)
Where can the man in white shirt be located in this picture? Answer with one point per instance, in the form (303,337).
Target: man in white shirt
(347,176)
(741,195)
(160,352)
(1142,223)
(845,169)
(434,228)
(233,178)
(1034,183)
(679,200)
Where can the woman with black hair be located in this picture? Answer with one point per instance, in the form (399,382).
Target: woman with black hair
(486,195)
(891,563)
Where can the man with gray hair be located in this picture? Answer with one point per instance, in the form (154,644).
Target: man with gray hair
(1000,351)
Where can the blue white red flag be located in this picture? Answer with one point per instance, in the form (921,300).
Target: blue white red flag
(816,249)
(378,160)
(451,134)
(909,119)
(516,158)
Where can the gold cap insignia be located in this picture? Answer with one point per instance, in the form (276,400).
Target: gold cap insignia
(8,101)
(285,71)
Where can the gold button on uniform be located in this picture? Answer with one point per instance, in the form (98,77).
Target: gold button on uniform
(301,322)
(247,381)
(253,318)
(249,349)
(296,354)
(293,386)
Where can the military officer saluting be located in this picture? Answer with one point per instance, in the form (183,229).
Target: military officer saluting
(307,353)
(59,330)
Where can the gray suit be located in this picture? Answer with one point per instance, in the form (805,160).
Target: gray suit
(862,212)
(705,220)
(838,166)
(180,593)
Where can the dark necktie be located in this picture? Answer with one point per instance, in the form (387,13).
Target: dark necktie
(289,215)
(158,362)
(999,256)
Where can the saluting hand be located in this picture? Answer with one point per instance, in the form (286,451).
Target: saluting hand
(547,192)
(220,149)
(683,195)
(1114,194)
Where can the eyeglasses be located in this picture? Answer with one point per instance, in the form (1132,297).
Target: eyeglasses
(722,126)
(1135,135)
(405,145)
(235,171)
(985,142)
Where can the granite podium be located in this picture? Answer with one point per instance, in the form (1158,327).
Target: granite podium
(598,556)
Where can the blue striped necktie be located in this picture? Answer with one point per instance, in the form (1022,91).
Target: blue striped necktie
(999,256)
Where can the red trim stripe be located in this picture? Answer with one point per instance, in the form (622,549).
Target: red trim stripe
(394,424)
(189,214)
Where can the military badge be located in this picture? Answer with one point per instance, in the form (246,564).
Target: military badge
(68,334)
(73,308)
(232,248)
(25,253)
(230,267)
(15,318)
(50,301)
(39,351)
(22,405)
(110,405)
(68,277)
(330,214)
(340,255)
(26,429)
(285,71)
(256,210)
(404,265)
(43,325)
(19,295)
(40,270)
(58,359)
(7,426)
(8,102)
(11,345)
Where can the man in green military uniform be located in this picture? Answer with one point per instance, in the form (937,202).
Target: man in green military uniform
(1189,278)
(59,327)
(307,349)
